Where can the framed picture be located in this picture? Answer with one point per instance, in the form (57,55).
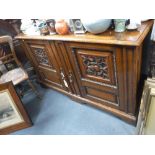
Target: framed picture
(12,113)
(76,26)
(145,123)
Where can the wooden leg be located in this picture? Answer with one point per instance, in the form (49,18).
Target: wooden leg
(19,90)
(33,88)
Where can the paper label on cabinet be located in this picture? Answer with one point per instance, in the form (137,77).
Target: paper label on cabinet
(65,83)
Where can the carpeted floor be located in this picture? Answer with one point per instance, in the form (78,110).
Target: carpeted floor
(57,114)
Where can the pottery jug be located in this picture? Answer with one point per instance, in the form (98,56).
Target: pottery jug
(61,27)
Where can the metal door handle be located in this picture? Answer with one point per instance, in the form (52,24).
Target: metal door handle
(63,77)
(70,76)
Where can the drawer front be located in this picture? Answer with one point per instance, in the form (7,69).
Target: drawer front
(95,70)
(101,96)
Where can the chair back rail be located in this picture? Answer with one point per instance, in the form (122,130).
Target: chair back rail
(11,56)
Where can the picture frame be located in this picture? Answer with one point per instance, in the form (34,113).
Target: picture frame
(145,110)
(13,116)
(76,26)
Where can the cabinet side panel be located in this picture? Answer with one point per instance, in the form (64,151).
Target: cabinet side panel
(122,77)
(132,71)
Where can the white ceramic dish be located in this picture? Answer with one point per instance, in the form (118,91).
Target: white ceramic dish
(131,27)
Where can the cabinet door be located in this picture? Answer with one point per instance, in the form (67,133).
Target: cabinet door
(67,68)
(95,70)
(43,58)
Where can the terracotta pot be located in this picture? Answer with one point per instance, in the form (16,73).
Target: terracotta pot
(61,27)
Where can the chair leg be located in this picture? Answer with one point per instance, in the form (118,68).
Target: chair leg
(19,91)
(33,88)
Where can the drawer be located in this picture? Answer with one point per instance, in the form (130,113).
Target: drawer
(101,96)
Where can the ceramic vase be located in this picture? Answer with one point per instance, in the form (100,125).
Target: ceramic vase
(120,25)
(61,27)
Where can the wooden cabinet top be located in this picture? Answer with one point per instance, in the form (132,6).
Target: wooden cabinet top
(129,38)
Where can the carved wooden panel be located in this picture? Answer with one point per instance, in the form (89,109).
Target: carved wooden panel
(96,66)
(41,56)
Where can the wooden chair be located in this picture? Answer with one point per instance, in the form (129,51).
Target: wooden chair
(16,75)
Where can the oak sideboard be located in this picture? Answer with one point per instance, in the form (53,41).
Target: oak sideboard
(102,70)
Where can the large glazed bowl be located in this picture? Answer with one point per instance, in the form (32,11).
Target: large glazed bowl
(96,26)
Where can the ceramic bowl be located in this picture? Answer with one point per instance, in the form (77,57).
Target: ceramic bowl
(96,26)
